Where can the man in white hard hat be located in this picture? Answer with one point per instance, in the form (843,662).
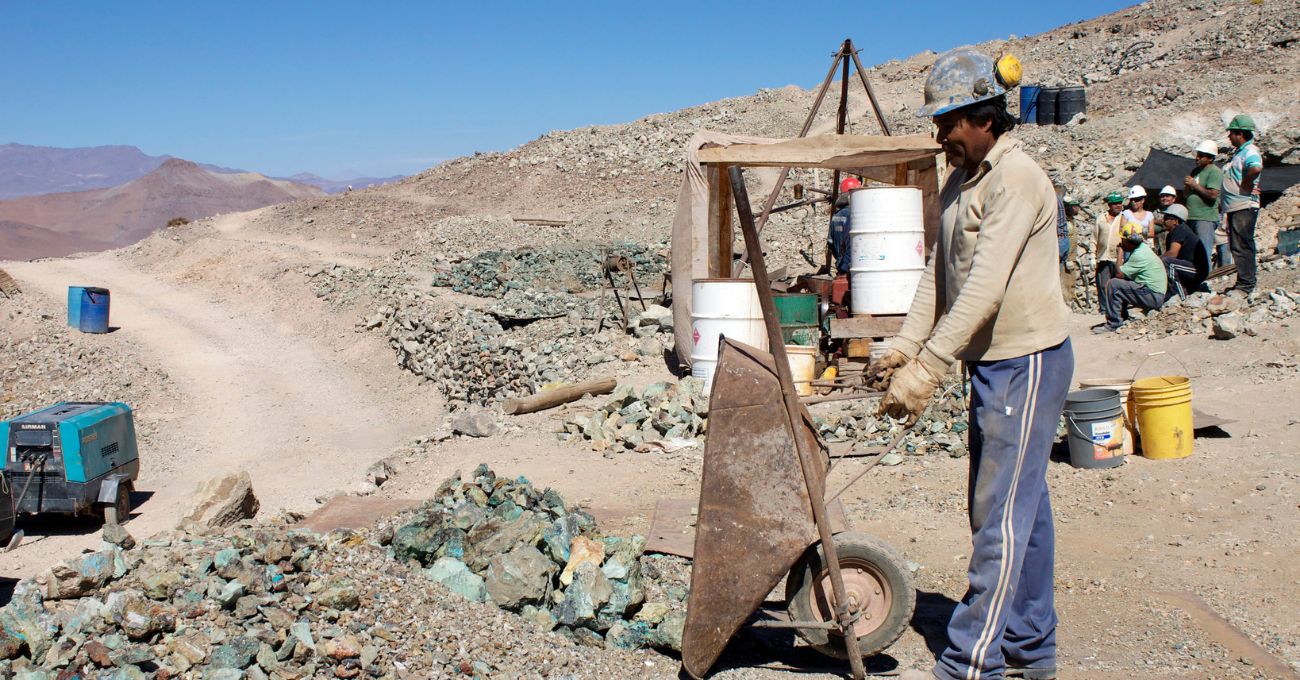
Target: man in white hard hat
(1167,197)
(988,298)
(1203,186)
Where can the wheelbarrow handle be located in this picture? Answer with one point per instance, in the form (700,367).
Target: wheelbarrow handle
(794,416)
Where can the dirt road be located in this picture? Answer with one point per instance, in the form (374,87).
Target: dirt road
(252,394)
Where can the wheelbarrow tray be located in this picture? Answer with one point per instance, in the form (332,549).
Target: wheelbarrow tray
(755,517)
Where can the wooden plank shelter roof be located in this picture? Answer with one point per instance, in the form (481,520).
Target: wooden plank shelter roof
(837,152)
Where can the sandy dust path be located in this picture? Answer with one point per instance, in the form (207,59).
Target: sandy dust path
(253,395)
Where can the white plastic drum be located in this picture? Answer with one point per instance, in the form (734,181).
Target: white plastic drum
(878,349)
(803,367)
(723,307)
(886,249)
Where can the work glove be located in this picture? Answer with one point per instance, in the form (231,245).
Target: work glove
(882,370)
(910,390)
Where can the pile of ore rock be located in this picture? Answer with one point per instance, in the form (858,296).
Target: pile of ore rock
(530,304)
(942,426)
(493,538)
(263,600)
(473,359)
(574,269)
(632,419)
(43,362)
(1226,316)
(667,417)
(340,284)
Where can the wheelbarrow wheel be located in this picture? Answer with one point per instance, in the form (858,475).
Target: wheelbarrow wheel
(118,511)
(877,583)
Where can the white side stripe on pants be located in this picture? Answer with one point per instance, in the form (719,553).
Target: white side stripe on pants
(1007,527)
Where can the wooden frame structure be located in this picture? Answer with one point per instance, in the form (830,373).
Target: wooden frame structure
(900,160)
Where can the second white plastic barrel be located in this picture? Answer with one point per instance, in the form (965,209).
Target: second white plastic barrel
(723,307)
(886,249)
(803,367)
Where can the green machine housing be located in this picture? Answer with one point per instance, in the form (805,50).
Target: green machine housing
(70,457)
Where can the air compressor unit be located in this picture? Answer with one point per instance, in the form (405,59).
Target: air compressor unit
(74,458)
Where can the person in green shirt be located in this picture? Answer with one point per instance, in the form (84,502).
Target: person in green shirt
(1203,194)
(1141,282)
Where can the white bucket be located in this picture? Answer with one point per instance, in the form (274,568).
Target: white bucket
(1121,385)
(886,249)
(723,307)
(878,349)
(803,367)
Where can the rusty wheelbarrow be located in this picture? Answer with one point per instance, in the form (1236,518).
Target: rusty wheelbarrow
(763,514)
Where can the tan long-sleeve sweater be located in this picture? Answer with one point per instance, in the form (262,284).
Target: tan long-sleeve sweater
(1108,237)
(992,289)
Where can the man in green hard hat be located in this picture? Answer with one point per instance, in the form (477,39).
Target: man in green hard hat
(1107,235)
(1239,199)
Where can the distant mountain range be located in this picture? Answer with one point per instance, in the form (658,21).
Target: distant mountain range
(27,170)
(49,225)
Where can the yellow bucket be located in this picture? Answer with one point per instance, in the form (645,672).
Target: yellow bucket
(1163,406)
(1121,385)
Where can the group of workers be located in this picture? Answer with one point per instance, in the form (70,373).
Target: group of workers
(1137,268)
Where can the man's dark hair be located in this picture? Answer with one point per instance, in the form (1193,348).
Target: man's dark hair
(994,110)
(1247,134)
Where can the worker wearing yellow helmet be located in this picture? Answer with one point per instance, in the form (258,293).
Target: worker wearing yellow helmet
(1141,281)
(989,298)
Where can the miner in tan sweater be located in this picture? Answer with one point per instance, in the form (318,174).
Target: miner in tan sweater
(990,298)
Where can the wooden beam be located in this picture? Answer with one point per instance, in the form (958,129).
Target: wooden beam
(928,179)
(867,326)
(560,395)
(721,235)
(540,221)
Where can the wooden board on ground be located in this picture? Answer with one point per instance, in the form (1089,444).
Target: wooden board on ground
(541,221)
(353,512)
(867,326)
(8,287)
(1201,419)
(672,527)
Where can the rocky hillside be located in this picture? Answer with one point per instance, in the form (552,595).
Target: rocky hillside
(1162,74)
(124,214)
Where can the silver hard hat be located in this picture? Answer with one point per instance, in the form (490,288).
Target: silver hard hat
(963,76)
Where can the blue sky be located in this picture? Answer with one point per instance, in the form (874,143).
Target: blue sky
(344,89)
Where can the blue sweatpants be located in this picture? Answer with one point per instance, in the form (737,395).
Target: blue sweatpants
(1008,616)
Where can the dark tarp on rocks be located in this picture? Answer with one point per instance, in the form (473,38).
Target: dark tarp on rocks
(1161,168)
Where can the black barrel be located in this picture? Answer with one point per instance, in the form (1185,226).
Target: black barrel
(1070,102)
(1047,105)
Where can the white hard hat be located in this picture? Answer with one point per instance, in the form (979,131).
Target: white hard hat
(1178,211)
(1137,192)
(1168,191)
(1208,146)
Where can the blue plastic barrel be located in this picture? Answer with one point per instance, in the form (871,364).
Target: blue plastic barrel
(94,310)
(74,305)
(1029,104)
